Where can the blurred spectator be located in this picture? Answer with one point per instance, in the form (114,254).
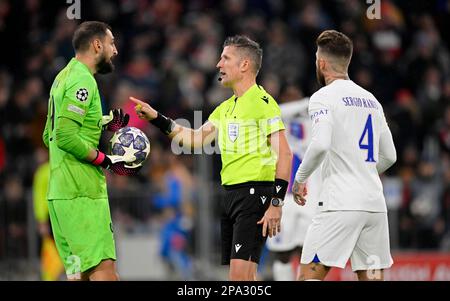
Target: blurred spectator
(427,50)
(444,132)
(40,187)
(272,84)
(13,213)
(2,155)
(406,220)
(406,122)
(174,201)
(192,87)
(425,206)
(140,72)
(283,56)
(444,223)
(51,265)
(291,93)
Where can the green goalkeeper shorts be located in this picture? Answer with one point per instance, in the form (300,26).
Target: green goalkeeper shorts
(83,233)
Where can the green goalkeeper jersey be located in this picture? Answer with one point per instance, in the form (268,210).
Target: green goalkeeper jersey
(244,125)
(74,95)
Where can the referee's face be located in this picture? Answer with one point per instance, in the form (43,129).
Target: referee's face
(229,66)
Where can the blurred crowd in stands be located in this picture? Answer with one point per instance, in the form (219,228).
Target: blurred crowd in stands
(168,50)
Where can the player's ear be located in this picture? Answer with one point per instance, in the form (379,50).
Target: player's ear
(97,45)
(245,65)
(322,64)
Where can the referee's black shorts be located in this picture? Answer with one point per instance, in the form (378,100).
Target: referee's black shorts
(242,207)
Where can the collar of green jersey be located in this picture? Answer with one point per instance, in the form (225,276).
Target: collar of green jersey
(77,62)
(251,92)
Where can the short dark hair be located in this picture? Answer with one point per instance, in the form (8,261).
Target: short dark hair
(251,47)
(335,43)
(86,31)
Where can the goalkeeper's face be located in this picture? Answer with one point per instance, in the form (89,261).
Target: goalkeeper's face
(104,63)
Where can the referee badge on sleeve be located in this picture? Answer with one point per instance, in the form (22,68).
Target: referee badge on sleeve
(233,131)
(82,94)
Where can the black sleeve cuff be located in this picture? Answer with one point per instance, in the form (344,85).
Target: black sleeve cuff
(279,188)
(165,124)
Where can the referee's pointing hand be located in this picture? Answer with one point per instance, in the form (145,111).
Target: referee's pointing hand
(143,109)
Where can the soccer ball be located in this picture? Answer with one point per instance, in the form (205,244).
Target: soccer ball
(130,141)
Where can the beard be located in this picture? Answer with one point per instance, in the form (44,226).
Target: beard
(104,66)
(320,78)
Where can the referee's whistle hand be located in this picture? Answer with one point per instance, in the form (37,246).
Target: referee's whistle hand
(271,221)
(143,109)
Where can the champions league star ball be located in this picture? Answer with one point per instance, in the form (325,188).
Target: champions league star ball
(130,141)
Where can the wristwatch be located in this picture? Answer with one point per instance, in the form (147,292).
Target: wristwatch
(276,202)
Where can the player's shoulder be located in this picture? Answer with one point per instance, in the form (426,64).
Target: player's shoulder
(374,98)
(332,90)
(369,96)
(321,95)
(222,105)
(77,74)
(263,98)
(227,101)
(294,109)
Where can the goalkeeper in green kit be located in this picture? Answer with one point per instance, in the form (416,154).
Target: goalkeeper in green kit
(77,195)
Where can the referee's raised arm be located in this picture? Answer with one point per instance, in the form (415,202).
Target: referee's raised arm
(186,136)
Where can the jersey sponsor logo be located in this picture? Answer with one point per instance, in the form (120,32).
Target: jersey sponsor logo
(265,99)
(233,131)
(75,109)
(237,247)
(273,120)
(82,94)
(318,113)
(263,199)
